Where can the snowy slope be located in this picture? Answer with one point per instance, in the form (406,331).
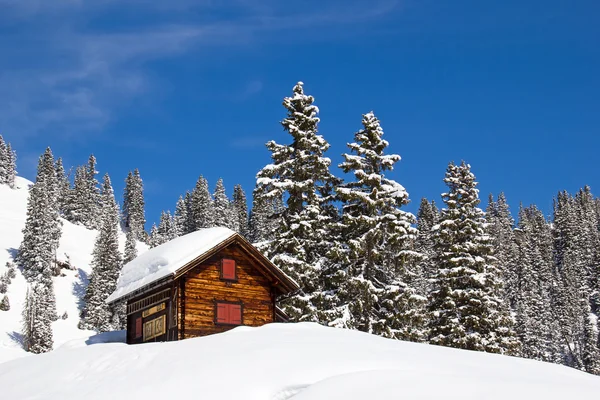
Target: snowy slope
(283,361)
(76,243)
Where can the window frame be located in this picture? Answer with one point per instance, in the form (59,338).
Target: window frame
(235,267)
(239,303)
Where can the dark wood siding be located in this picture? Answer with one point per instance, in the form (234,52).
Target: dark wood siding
(203,287)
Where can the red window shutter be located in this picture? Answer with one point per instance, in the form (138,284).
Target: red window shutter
(222,313)
(235,314)
(138,327)
(228,269)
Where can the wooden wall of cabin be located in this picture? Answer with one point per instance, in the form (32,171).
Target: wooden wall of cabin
(202,287)
(157,308)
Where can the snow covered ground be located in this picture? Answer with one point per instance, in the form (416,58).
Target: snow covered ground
(284,361)
(76,243)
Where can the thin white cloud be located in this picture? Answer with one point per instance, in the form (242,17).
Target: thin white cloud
(60,77)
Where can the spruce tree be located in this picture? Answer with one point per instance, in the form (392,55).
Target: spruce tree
(134,217)
(130,247)
(180,219)
(3,162)
(378,292)
(5,304)
(427,218)
(166,228)
(222,207)
(42,230)
(155,238)
(63,186)
(467,310)
(37,324)
(533,291)
(300,172)
(11,166)
(84,203)
(107,263)
(240,211)
(202,207)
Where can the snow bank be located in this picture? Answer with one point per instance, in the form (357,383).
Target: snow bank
(167,258)
(281,361)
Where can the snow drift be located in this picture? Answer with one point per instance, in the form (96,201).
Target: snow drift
(283,361)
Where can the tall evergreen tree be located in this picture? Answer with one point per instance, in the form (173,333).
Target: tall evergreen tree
(107,263)
(166,228)
(202,207)
(11,166)
(42,230)
(222,207)
(62,185)
(467,310)
(130,247)
(181,219)
(378,291)
(7,163)
(37,324)
(84,203)
(427,218)
(240,211)
(300,172)
(134,217)
(500,227)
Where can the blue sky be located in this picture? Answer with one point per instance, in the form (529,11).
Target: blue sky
(181,88)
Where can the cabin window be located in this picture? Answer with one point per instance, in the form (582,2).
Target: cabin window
(228,313)
(228,268)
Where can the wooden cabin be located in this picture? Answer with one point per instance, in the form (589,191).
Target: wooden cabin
(206,282)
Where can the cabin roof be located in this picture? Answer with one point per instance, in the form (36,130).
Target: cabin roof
(175,257)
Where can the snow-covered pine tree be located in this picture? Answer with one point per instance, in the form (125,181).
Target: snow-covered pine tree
(202,207)
(535,325)
(5,304)
(263,217)
(130,247)
(573,292)
(42,230)
(3,162)
(467,310)
(300,172)
(500,227)
(180,218)
(154,239)
(11,166)
(240,210)
(166,228)
(106,263)
(378,292)
(84,199)
(134,218)
(37,324)
(92,200)
(222,207)
(427,218)
(63,186)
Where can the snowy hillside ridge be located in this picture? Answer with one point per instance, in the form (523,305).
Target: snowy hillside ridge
(76,245)
(285,361)
(164,260)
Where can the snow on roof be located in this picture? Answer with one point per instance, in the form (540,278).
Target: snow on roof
(164,260)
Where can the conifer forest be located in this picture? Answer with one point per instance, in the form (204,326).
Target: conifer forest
(468,271)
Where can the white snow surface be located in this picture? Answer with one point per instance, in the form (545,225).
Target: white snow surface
(167,258)
(287,361)
(76,245)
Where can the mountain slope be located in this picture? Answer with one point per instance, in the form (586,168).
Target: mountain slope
(76,245)
(283,361)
